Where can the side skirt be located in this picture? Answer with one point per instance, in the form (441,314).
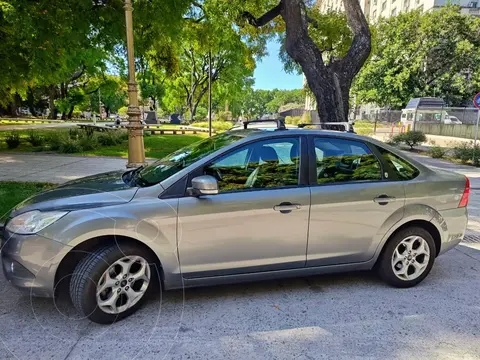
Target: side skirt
(270,275)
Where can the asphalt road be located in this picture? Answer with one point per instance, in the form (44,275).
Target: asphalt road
(348,316)
(345,316)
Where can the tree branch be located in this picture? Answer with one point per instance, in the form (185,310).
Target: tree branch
(361,44)
(265,18)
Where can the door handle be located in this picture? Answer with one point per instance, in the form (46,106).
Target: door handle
(384,199)
(286,207)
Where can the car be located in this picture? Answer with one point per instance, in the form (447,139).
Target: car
(449,119)
(243,205)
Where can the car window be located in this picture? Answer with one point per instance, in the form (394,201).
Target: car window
(340,160)
(262,164)
(402,169)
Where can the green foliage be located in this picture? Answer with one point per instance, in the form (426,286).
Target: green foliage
(280,98)
(306,117)
(109,138)
(69,146)
(224,116)
(418,54)
(437,152)
(411,138)
(329,31)
(293,120)
(122,111)
(88,143)
(13,140)
(217,125)
(464,152)
(35,138)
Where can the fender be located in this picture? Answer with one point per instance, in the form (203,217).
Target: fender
(413,212)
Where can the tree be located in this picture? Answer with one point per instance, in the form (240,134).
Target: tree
(416,55)
(329,81)
(283,97)
(209,41)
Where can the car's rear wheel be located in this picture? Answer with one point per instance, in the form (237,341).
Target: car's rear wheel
(111,283)
(408,257)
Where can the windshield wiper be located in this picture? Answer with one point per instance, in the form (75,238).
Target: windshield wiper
(134,176)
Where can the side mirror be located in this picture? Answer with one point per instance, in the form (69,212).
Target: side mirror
(203,185)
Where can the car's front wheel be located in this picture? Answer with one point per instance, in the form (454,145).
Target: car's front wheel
(408,257)
(111,283)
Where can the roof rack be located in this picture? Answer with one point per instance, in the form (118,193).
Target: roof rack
(280,123)
(335,126)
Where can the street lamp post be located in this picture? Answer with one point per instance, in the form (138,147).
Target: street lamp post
(136,149)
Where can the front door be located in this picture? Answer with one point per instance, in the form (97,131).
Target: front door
(350,203)
(259,219)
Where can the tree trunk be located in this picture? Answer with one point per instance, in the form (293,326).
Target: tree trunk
(31,101)
(52,92)
(70,113)
(330,83)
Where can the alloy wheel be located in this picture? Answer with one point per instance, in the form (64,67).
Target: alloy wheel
(410,258)
(123,284)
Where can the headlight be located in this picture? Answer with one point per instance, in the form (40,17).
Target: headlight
(33,221)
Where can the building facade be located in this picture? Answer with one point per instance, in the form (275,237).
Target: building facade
(374,9)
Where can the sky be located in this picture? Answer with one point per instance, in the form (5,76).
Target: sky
(269,73)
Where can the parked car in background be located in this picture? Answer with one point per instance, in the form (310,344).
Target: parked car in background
(242,205)
(453,120)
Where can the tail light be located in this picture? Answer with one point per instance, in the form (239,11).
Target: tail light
(466,193)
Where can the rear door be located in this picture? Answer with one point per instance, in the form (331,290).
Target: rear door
(351,199)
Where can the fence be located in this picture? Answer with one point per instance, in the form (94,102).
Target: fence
(447,121)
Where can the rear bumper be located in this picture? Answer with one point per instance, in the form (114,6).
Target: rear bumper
(453,225)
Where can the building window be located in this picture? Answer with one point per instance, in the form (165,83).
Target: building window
(473,4)
(384,5)
(394,12)
(406,5)
(375,14)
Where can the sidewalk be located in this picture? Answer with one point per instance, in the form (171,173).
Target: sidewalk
(54,168)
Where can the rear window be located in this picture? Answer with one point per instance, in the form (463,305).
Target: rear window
(402,169)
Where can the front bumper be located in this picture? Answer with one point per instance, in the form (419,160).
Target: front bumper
(29,262)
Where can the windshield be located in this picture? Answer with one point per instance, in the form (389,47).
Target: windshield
(180,159)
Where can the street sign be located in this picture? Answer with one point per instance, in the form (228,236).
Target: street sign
(476,101)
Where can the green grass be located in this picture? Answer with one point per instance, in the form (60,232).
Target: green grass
(155,146)
(12,193)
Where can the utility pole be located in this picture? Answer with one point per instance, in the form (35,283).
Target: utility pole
(99,104)
(136,148)
(210,93)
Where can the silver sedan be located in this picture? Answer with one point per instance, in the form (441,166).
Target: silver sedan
(240,206)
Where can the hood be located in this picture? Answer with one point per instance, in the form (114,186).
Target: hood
(92,191)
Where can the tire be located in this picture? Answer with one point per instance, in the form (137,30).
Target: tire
(395,270)
(93,268)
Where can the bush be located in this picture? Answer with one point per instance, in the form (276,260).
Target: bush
(123,135)
(109,138)
(69,146)
(12,140)
(437,152)
(217,125)
(463,152)
(88,143)
(225,116)
(54,140)
(306,118)
(293,120)
(411,138)
(74,133)
(35,138)
(122,111)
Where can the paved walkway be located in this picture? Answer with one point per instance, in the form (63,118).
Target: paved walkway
(54,168)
